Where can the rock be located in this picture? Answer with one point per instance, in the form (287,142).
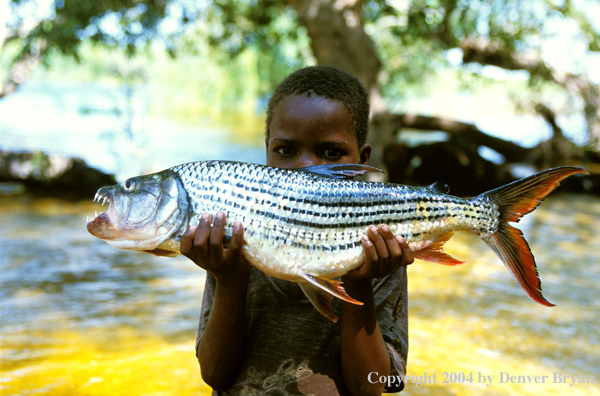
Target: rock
(50,175)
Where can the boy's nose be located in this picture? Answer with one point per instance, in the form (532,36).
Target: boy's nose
(308,159)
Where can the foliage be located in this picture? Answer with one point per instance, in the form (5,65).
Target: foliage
(413,39)
(411,35)
(113,22)
(200,40)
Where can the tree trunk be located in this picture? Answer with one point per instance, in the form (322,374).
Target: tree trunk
(338,39)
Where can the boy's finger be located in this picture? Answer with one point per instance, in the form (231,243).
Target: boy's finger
(393,248)
(392,243)
(408,256)
(216,237)
(237,239)
(202,233)
(371,257)
(383,255)
(187,240)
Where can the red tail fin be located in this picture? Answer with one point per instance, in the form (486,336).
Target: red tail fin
(514,201)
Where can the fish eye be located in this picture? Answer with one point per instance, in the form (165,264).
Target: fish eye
(129,185)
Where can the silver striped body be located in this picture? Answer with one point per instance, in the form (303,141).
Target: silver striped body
(306,225)
(297,222)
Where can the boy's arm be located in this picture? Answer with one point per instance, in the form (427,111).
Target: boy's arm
(221,347)
(363,348)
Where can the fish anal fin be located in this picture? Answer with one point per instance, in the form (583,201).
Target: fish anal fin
(435,253)
(332,287)
(320,299)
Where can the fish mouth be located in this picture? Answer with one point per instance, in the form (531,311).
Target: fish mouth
(97,198)
(102,225)
(102,198)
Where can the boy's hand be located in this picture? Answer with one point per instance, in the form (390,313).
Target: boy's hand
(384,254)
(205,248)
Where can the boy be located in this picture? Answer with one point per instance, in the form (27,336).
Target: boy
(260,335)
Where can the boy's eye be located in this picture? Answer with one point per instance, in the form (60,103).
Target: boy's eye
(285,151)
(332,153)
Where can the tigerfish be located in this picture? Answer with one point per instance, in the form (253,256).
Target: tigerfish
(305,225)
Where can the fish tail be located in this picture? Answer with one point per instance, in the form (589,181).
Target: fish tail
(515,200)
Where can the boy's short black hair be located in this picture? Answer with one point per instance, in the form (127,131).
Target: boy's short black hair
(330,83)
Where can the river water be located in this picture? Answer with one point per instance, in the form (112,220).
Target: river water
(80,317)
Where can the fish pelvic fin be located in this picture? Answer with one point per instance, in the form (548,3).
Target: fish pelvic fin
(515,200)
(162,253)
(320,292)
(320,300)
(434,252)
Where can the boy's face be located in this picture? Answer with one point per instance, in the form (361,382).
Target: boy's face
(312,130)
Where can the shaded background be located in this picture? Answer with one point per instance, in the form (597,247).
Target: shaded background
(475,93)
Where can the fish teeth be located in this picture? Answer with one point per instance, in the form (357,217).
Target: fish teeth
(99,197)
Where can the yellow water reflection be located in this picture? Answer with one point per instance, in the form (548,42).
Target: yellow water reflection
(82,318)
(95,363)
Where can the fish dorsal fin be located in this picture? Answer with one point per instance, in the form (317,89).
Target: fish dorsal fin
(340,171)
(434,252)
(439,187)
(320,292)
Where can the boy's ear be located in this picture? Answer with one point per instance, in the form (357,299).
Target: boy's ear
(365,154)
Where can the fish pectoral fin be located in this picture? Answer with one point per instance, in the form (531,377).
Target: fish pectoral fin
(340,171)
(320,300)
(435,253)
(332,287)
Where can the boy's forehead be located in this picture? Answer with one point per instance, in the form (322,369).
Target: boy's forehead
(298,113)
(310,105)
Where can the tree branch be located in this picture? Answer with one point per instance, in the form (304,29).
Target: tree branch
(469,132)
(486,52)
(20,70)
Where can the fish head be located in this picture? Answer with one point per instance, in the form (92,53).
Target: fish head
(144,212)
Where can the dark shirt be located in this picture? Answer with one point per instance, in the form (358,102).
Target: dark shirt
(291,349)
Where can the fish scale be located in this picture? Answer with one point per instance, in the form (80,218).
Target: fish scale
(313,216)
(306,225)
